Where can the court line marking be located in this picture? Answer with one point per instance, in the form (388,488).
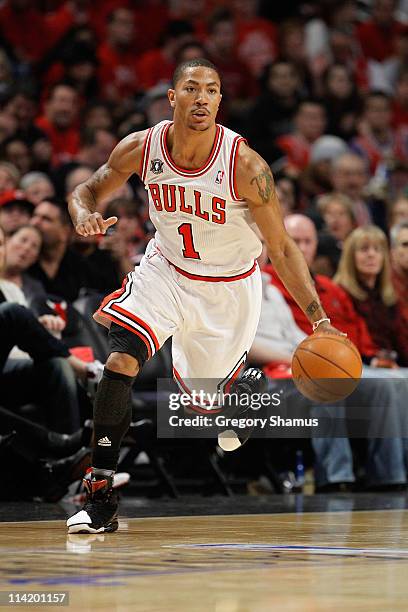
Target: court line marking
(316,550)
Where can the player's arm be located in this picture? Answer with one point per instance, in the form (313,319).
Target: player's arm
(256,185)
(122,163)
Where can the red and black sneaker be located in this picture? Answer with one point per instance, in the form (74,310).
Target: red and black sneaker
(100,511)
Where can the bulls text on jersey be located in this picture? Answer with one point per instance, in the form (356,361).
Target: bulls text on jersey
(172,198)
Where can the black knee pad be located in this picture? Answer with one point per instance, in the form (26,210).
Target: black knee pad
(123,341)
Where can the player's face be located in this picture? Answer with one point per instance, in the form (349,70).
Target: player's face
(196,98)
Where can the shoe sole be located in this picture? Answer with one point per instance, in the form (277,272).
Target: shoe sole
(84,528)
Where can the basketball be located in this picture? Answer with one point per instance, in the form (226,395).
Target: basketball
(326,367)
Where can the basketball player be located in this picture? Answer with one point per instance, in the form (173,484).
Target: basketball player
(198,280)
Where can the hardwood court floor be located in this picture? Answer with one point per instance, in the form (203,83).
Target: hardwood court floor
(354,561)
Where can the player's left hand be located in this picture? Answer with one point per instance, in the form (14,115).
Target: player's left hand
(327,328)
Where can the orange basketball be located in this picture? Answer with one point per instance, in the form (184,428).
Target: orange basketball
(326,367)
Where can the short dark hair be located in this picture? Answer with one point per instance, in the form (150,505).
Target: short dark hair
(376,93)
(312,102)
(194,63)
(55,86)
(62,207)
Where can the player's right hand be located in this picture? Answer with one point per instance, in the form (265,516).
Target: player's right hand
(93,223)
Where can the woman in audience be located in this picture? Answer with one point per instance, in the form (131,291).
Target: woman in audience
(22,251)
(365,274)
(11,292)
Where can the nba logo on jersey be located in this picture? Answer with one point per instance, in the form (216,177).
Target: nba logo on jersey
(219,177)
(156,166)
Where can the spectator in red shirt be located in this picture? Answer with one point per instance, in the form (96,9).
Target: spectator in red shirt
(335,301)
(158,65)
(310,122)
(365,274)
(118,72)
(399,258)
(59,122)
(377,36)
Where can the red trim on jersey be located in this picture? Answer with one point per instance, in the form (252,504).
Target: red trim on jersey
(187,390)
(215,279)
(129,328)
(145,155)
(233,166)
(114,295)
(143,324)
(199,171)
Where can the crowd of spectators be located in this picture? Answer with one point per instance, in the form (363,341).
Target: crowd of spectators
(319,89)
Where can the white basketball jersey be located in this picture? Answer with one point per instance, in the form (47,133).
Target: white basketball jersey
(202,226)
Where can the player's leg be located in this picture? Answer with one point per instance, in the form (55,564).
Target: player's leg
(142,318)
(112,416)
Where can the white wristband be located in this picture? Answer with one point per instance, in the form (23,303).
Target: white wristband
(317,323)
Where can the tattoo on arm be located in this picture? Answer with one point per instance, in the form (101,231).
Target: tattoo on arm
(265,184)
(101,174)
(311,309)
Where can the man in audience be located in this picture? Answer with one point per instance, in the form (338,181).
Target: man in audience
(350,177)
(61,271)
(59,122)
(310,122)
(377,142)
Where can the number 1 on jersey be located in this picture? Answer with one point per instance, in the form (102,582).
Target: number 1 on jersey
(185,230)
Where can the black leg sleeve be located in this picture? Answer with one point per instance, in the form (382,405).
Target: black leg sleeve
(112,415)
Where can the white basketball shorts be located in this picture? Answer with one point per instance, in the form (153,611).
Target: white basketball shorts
(212,323)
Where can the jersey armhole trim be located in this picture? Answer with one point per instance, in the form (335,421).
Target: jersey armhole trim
(233,166)
(145,155)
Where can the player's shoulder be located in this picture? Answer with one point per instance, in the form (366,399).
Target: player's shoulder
(249,161)
(127,154)
(133,141)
